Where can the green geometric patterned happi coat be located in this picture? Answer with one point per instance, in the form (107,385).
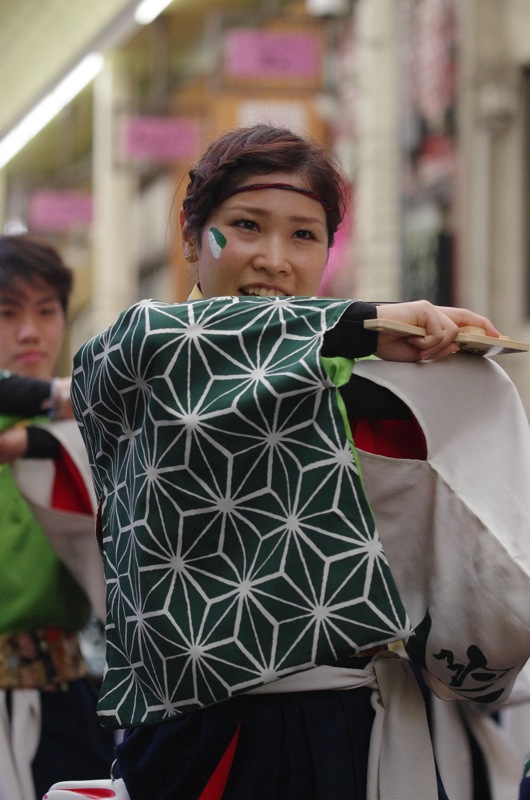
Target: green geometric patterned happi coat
(239,546)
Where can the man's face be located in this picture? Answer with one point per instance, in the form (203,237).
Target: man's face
(32,324)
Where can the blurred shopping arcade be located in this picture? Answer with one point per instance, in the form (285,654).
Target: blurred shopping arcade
(425,101)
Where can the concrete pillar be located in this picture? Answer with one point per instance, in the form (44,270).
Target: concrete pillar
(114,265)
(488,103)
(492,218)
(377,249)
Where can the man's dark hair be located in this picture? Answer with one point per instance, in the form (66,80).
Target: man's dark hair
(30,260)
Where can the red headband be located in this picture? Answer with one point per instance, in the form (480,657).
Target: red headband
(287,186)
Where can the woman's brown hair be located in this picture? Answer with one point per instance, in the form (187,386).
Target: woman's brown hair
(259,150)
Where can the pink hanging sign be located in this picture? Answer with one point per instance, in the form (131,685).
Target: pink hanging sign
(161,138)
(57,210)
(266,54)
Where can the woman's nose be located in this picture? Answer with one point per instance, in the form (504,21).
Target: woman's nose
(273,258)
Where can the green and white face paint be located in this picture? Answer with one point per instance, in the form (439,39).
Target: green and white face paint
(217,242)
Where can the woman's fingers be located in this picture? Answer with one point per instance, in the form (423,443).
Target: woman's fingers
(441,323)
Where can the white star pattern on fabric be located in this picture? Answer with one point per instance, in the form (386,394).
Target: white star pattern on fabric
(239,546)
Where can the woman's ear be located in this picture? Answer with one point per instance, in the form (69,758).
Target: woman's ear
(182,219)
(189,244)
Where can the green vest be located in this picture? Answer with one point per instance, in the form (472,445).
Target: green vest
(239,545)
(36,589)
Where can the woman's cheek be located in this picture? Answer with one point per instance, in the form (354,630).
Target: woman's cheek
(216,242)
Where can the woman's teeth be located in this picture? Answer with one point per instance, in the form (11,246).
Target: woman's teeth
(262,292)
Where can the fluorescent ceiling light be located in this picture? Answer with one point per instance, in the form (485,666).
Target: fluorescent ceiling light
(49,106)
(148,10)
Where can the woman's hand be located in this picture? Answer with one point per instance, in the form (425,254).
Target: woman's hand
(441,324)
(13,444)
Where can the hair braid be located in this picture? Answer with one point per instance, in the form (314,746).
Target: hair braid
(259,150)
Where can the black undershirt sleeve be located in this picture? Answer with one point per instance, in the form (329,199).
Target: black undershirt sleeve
(350,339)
(23,396)
(41,444)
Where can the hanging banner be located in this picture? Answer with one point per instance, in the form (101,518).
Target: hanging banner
(161,138)
(55,210)
(282,57)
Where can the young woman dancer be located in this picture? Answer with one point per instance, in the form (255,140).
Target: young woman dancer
(230,501)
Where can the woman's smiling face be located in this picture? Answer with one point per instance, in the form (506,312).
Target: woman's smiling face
(265,242)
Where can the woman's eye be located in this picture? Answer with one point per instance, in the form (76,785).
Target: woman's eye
(303,234)
(247,224)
